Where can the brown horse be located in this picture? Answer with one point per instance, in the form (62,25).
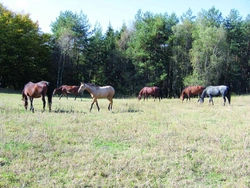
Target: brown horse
(65,90)
(191,91)
(36,90)
(98,92)
(150,91)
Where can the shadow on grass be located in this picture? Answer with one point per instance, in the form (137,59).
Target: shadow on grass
(68,111)
(127,111)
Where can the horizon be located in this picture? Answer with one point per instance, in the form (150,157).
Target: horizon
(116,12)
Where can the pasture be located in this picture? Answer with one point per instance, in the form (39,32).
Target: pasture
(138,144)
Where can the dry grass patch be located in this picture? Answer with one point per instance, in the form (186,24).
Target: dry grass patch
(138,144)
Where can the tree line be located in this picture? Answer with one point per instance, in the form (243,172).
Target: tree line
(157,49)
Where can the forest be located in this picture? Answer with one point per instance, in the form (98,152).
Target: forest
(157,49)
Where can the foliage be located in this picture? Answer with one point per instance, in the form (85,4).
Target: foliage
(158,49)
(24,50)
(71,32)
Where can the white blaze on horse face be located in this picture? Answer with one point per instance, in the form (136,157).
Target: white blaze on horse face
(81,88)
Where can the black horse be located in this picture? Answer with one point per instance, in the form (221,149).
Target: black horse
(211,91)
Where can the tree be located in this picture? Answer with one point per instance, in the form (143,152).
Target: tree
(182,44)
(239,52)
(71,31)
(150,49)
(209,49)
(24,53)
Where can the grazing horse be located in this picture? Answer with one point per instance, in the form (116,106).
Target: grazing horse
(191,91)
(36,90)
(98,92)
(150,91)
(65,90)
(211,91)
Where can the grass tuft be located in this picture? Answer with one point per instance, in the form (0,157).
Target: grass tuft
(137,144)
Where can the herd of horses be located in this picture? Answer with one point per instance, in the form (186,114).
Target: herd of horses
(41,89)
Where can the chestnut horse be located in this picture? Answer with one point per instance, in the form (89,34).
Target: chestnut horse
(150,91)
(191,91)
(98,92)
(36,90)
(65,90)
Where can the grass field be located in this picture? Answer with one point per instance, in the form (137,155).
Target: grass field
(138,144)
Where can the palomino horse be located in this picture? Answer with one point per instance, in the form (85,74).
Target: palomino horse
(191,91)
(150,91)
(98,92)
(36,90)
(65,90)
(211,91)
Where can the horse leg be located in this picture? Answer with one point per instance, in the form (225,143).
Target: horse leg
(110,104)
(60,96)
(31,104)
(211,100)
(97,105)
(91,106)
(224,97)
(50,104)
(94,101)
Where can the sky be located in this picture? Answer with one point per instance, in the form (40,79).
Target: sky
(117,12)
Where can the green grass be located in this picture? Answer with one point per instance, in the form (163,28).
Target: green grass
(138,144)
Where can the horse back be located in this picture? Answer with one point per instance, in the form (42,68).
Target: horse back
(104,91)
(35,90)
(71,89)
(195,90)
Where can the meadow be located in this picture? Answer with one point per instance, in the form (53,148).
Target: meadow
(138,144)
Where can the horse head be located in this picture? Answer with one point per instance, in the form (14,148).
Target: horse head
(82,87)
(139,97)
(201,100)
(55,91)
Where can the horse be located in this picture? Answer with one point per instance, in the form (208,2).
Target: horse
(211,91)
(191,91)
(98,92)
(66,89)
(36,90)
(150,91)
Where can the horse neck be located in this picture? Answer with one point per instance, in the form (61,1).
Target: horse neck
(24,96)
(141,92)
(89,88)
(203,93)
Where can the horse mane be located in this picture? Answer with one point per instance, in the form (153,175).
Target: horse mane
(91,84)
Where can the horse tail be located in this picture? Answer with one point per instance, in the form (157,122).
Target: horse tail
(25,99)
(229,95)
(161,94)
(49,92)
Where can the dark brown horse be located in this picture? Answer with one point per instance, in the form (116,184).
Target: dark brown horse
(36,90)
(65,90)
(150,91)
(191,91)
